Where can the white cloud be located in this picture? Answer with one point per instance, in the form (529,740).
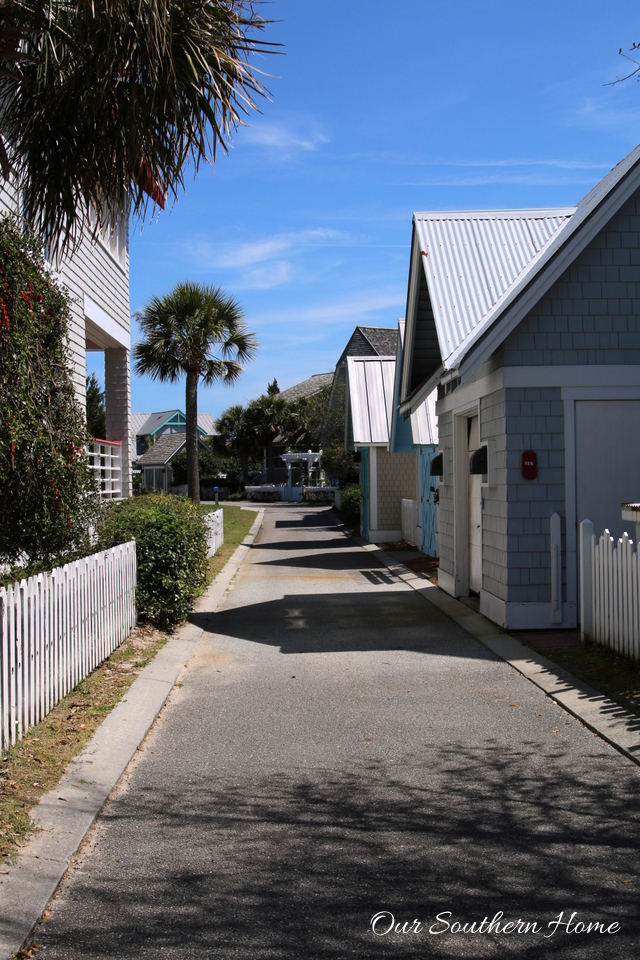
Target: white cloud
(282,138)
(605,112)
(268,276)
(411,160)
(356,308)
(239,256)
(519,179)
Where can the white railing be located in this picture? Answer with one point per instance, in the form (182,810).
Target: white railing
(215,531)
(609,591)
(105,458)
(409,520)
(55,628)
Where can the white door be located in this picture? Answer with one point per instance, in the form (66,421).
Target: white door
(607,462)
(475,513)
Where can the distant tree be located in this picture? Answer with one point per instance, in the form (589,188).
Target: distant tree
(48,495)
(236,438)
(324,428)
(271,417)
(209,466)
(340,465)
(196,330)
(273,388)
(96,422)
(107,104)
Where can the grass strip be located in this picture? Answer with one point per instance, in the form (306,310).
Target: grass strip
(603,669)
(237,523)
(35,764)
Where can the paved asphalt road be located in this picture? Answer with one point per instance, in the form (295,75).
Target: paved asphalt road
(339,748)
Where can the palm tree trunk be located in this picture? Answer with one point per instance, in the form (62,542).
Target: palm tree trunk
(193,478)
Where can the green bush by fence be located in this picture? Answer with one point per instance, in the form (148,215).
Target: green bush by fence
(351,506)
(171,548)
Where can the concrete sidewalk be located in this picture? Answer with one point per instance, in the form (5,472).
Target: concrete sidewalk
(65,814)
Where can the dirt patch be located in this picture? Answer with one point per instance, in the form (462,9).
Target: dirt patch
(610,674)
(426,565)
(397,546)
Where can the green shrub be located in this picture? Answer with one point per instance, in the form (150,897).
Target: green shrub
(341,465)
(171,549)
(351,506)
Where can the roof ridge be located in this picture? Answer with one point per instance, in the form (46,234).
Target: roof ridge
(508,213)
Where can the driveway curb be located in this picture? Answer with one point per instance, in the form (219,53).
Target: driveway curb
(618,727)
(65,814)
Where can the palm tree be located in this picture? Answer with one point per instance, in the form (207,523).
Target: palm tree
(236,437)
(271,417)
(198,330)
(104,105)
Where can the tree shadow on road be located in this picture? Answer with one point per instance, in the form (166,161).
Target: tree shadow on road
(378,619)
(294,865)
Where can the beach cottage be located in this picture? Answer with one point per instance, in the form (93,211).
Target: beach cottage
(392,451)
(528,324)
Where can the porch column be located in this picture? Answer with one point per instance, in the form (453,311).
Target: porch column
(117,402)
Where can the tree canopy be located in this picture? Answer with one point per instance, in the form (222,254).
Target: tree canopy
(105,105)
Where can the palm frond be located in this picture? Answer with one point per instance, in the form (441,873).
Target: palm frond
(100,100)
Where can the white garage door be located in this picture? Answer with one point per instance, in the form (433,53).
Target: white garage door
(607,462)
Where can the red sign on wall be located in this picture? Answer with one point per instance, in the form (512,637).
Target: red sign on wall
(529,465)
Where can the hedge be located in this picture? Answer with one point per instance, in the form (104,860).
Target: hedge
(351,506)
(171,548)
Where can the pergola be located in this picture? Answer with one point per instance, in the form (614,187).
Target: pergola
(309,458)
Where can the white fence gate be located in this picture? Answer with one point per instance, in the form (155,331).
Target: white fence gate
(609,591)
(215,531)
(410,522)
(55,628)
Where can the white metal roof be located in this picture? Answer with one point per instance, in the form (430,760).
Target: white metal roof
(476,264)
(472,260)
(370,382)
(207,423)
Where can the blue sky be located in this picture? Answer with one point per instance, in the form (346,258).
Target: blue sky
(379,109)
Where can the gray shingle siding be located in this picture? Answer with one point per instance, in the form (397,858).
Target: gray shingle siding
(494,513)
(592,314)
(535,421)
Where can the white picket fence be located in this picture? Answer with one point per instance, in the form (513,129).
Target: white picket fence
(55,628)
(609,591)
(215,531)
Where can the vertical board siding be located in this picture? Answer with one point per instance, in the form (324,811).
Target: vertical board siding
(55,628)
(215,531)
(615,586)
